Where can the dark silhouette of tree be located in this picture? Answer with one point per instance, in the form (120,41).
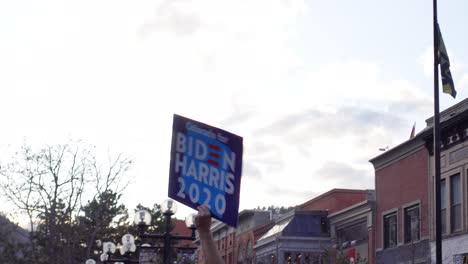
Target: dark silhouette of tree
(48,186)
(275,208)
(103,218)
(14,243)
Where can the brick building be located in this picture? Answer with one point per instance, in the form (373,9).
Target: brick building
(351,216)
(306,233)
(352,231)
(236,245)
(185,248)
(335,200)
(404,181)
(454,182)
(251,225)
(402,188)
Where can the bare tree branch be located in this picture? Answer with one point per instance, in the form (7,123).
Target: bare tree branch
(48,186)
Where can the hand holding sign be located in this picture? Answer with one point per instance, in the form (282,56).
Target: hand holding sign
(206,164)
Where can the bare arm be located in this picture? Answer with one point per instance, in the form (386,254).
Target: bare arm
(203,224)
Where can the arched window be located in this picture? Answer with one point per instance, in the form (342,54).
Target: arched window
(249,251)
(240,253)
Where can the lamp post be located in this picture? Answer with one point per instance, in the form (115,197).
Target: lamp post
(169,208)
(129,249)
(126,249)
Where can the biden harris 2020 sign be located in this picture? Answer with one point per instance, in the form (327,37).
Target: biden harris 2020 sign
(206,165)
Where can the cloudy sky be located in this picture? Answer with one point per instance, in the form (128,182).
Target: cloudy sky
(315,88)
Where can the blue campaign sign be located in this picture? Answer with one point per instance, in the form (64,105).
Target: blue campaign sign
(206,166)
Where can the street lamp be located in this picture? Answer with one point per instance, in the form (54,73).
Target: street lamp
(127,248)
(169,208)
(128,244)
(130,248)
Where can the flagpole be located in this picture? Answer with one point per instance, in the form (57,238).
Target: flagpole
(438,219)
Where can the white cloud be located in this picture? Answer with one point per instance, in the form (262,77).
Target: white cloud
(113,72)
(354,82)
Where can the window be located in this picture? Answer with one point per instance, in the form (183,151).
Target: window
(249,251)
(455,203)
(240,255)
(324,225)
(412,224)
(443,206)
(354,231)
(390,230)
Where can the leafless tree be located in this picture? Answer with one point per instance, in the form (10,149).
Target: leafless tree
(49,186)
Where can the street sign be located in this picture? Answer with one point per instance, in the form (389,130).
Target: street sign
(206,165)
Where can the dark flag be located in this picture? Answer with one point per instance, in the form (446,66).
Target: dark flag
(447,81)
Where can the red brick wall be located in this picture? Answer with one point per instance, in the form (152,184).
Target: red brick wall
(371,245)
(181,229)
(244,238)
(403,182)
(335,200)
(228,246)
(225,246)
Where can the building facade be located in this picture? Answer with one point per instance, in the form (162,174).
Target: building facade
(185,248)
(296,237)
(405,190)
(335,200)
(340,221)
(352,232)
(236,245)
(251,222)
(402,203)
(454,183)
(351,215)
